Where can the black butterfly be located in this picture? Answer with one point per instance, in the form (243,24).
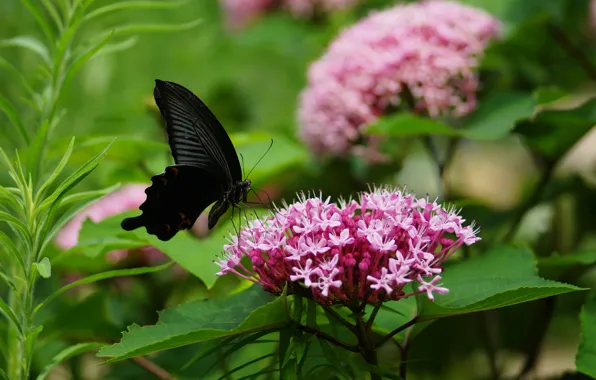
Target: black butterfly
(207,169)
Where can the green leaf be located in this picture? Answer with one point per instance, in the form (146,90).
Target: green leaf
(44,267)
(74,178)
(283,155)
(61,165)
(30,43)
(16,73)
(68,353)
(102,276)
(12,249)
(141,28)
(84,199)
(546,95)
(10,315)
(125,149)
(14,223)
(14,117)
(553,132)
(121,5)
(404,124)
(555,265)
(41,20)
(512,279)
(80,59)
(585,360)
(199,321)
(497,115)
(394,314)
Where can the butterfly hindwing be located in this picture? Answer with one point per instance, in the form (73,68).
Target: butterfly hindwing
(175,200)
(207,168)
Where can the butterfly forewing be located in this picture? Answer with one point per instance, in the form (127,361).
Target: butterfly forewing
(207,167)
(195,135)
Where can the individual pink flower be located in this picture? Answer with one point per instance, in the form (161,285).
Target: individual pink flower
(430,49)
(369,253)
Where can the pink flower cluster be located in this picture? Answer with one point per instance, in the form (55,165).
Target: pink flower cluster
(241,12)
(366,250)
(430,48)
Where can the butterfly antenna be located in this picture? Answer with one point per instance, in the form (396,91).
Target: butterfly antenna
(259,198)
(263,156)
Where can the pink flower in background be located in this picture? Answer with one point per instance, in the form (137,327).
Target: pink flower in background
(430,48)
(126,198)
(241,12)
(307,8)
(366,250)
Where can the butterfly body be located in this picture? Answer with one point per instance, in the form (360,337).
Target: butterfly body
(207,168)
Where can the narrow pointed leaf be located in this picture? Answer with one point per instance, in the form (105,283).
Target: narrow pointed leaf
(30,43)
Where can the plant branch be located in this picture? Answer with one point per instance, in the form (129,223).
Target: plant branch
(372,317)
(153,368)
(328,338)
(403,366)
(574,51)
(531,201)
(406,325)
(489,330)
(348,325)
(546,312)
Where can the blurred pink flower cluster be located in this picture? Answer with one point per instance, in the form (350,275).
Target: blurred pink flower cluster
(430,48)
(241,12)
(126,198)
(366,250)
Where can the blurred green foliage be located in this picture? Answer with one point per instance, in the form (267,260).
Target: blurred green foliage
(251,79)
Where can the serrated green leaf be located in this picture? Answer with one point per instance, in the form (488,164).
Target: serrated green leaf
(121,5)
(512,279)
(102,276)
(30,43)
(585,360)
(14,117)
(553,132)
(44,267)
(199,321)
(68,353)
(403,124)
(497,115)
